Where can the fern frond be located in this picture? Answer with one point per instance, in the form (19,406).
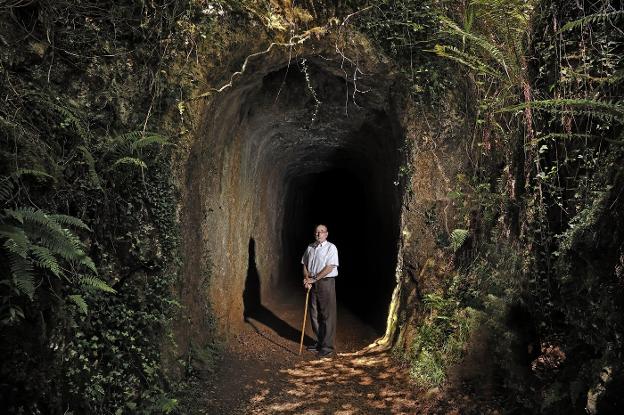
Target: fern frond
(80,302)
(458,237)
(587,112)
(86,261)
(32,172)
(591,19)
(130,160)
(67,220)
(131,136)
(72,119)
(6,188)
(95,178)
(465,59)
(77,254)
(24,214)
(151,138)
(94,282)
(614,110)
(49,234)
(23,277)
(54,239)
(120,148)
(567,136)
(486,46)
(44,258)
(17,241)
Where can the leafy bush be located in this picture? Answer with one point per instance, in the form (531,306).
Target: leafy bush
(441,339)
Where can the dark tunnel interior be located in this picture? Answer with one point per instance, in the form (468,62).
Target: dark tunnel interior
(358,198)
(339,199)
(342,170)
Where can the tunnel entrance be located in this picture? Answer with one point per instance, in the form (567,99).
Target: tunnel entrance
(297,147)
(351,185)
(363,225)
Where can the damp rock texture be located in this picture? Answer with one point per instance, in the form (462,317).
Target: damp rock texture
(298,139)
(316,135)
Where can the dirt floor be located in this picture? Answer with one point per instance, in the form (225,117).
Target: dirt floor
(262,373)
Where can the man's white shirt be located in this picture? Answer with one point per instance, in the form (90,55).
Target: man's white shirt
(317,256)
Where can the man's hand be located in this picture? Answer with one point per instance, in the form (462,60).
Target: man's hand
(308,281)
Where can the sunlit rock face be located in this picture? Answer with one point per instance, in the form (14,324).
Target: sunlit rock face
(289,145)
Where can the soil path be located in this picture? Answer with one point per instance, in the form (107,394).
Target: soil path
(262,373)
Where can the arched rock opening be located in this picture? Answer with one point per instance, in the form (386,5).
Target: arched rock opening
(284,149)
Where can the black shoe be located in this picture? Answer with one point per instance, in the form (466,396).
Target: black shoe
(325,353)
(312,347)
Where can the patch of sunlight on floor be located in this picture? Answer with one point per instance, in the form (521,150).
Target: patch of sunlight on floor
(296,372)
(378,404)
(366,381)
(297,393)
(283,407)
(357,385)
(387,392)
(260,396)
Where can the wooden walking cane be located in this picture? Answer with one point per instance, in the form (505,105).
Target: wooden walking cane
(305,314)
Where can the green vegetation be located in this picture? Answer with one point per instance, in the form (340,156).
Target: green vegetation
(440,340)
(89,250)
(88,231)
(542,205)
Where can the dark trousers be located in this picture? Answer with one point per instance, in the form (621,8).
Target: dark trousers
(323,312)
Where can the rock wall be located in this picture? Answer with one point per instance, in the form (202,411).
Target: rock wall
(329,110)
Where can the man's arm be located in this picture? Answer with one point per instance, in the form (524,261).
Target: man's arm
(328,268)
(307,281)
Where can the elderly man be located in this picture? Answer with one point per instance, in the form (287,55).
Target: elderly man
(320,268)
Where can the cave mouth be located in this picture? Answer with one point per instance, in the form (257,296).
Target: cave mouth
(358,225)
(297,147)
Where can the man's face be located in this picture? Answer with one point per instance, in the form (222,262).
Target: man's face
(320,234)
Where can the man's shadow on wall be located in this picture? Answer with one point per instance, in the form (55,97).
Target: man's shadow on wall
(253,308)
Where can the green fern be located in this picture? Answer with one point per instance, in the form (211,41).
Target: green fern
(23,275)
(37,243)
(69,221)
(93,175)
(6,188)
(16,240)
(94,282)
(32,172)
(88,263)
(600,107)
(80,302)
(124,148)
(29,214)
(490,49)
(44,258)
(70,118)
(150,138)
(59,241)
(473,62)
(131,161)
(122,145)
(130,137)
(458,238)
(592,19)
(565,136)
